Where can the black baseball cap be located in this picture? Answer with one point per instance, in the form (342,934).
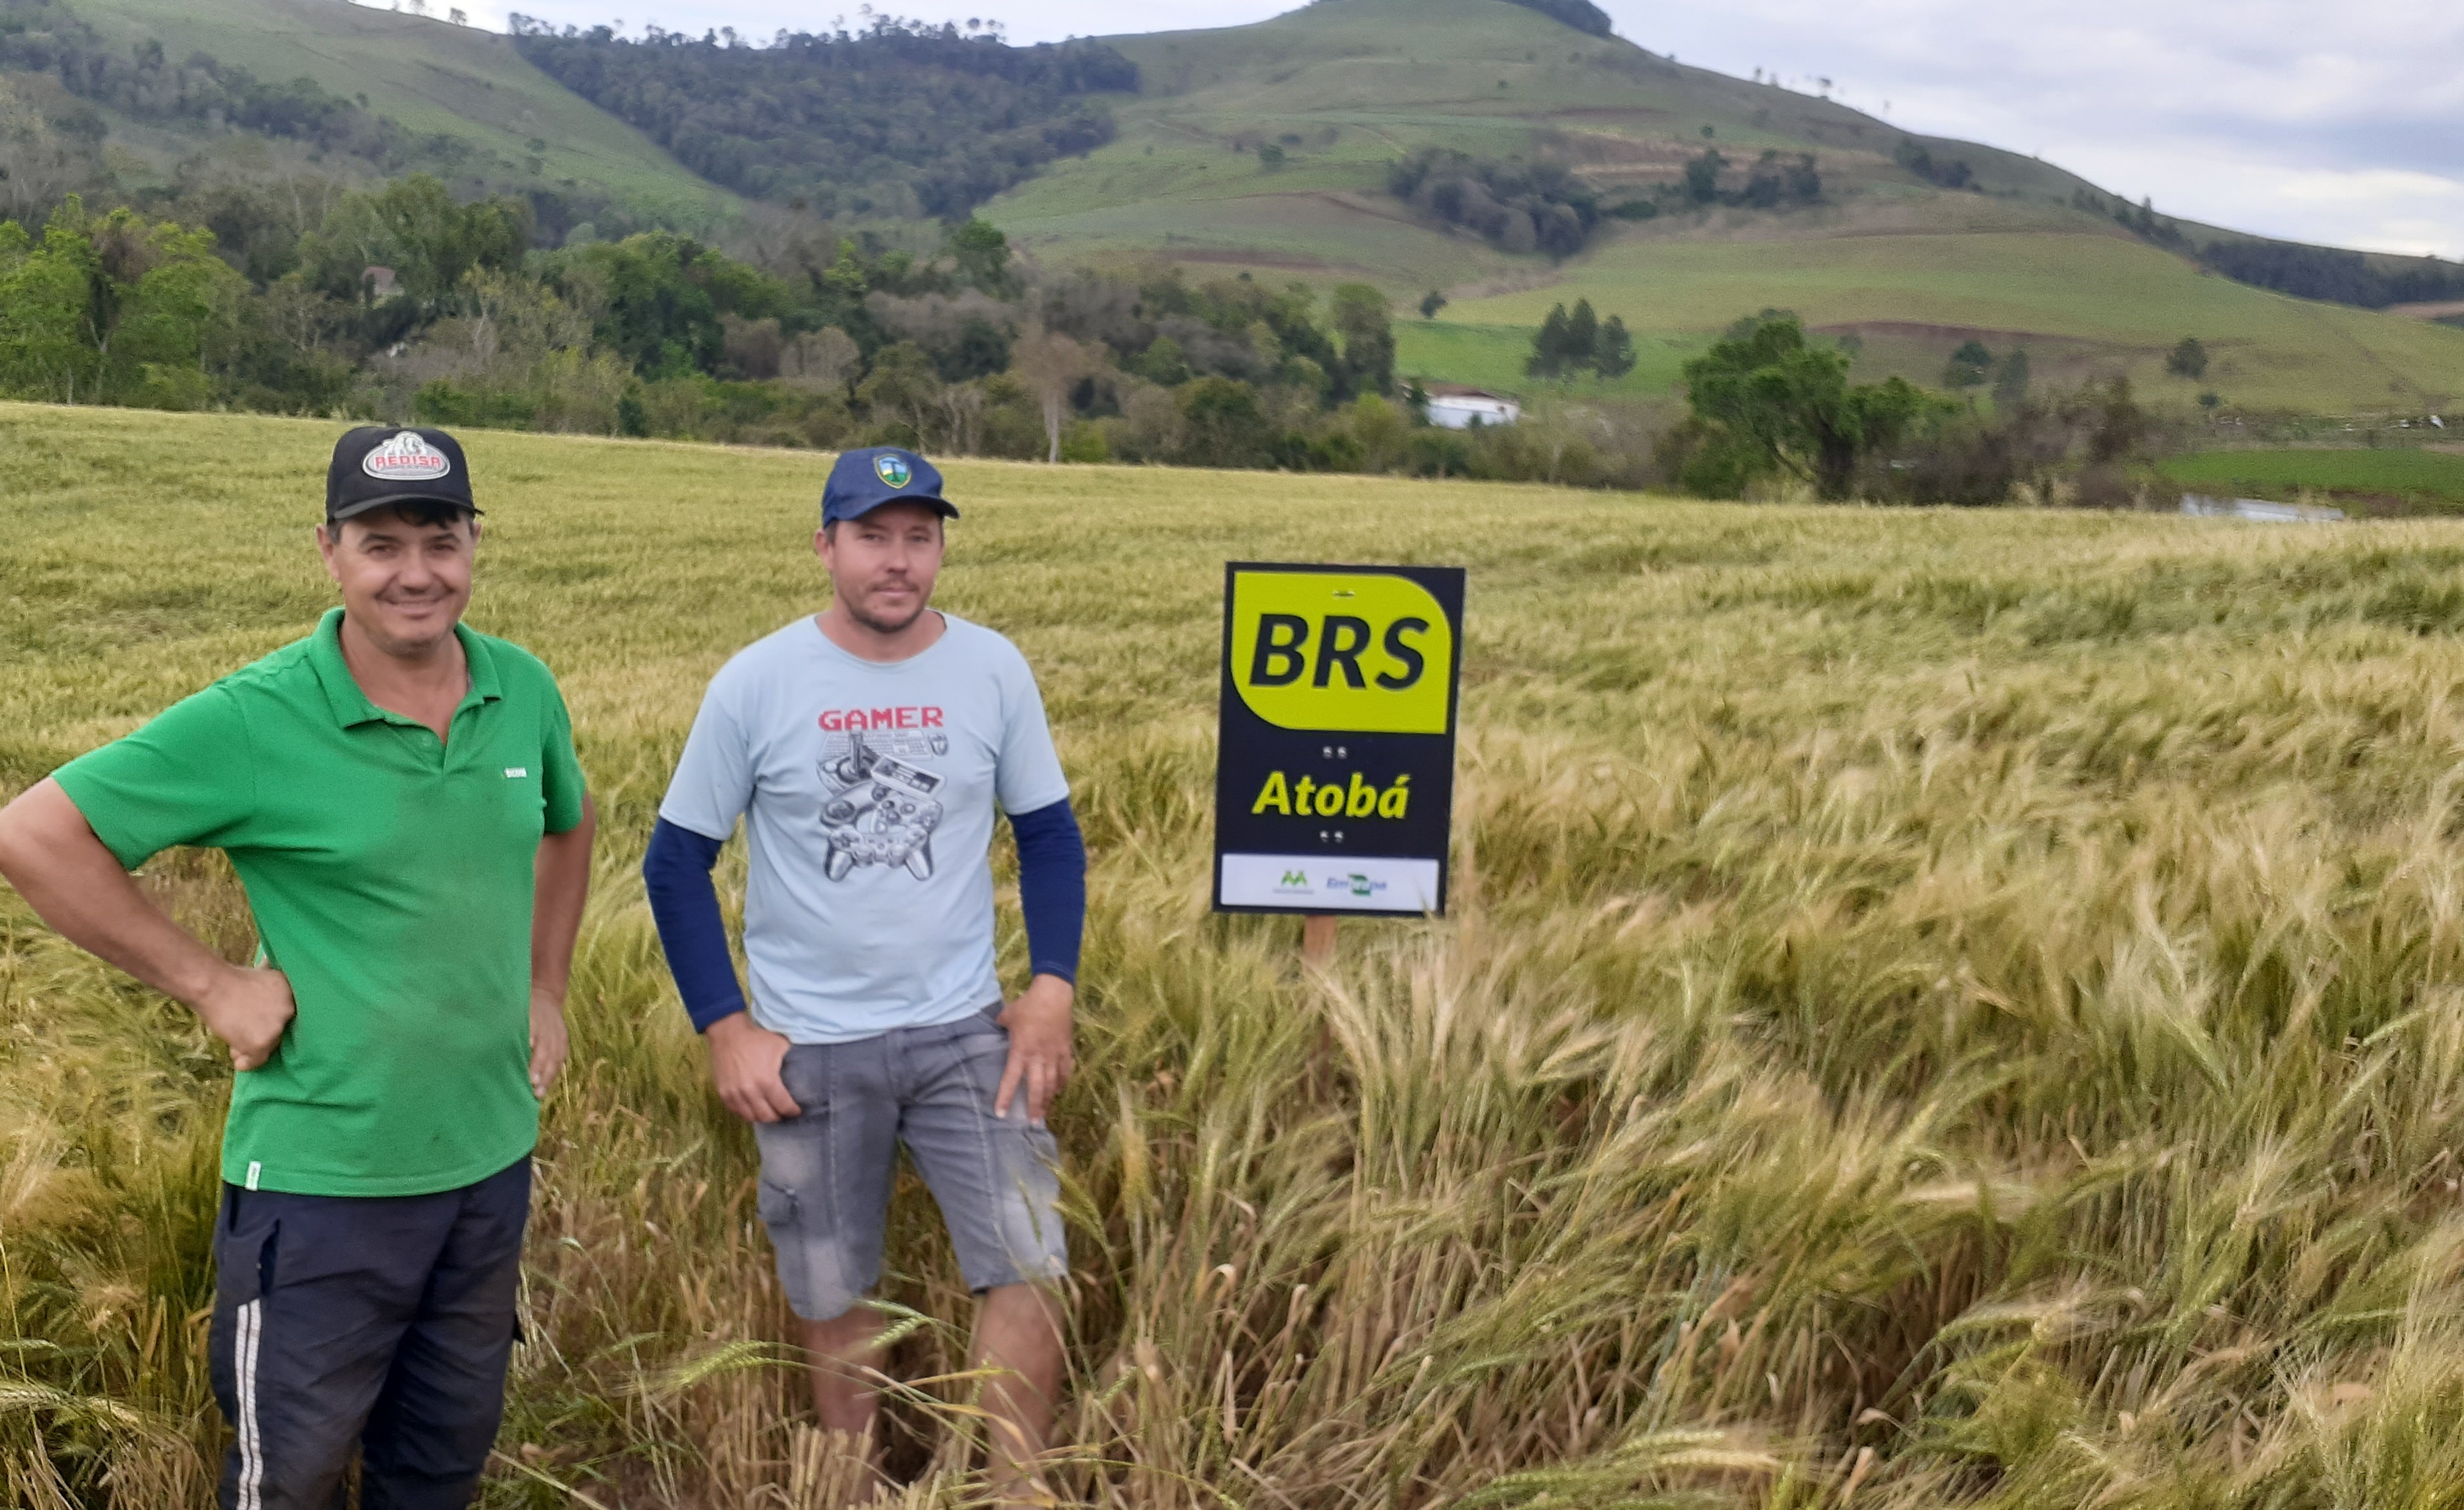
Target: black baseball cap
(863,480)
(379,465)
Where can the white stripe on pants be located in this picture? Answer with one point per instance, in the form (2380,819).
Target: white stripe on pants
(251,1450)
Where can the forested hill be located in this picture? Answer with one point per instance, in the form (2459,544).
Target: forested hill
(1580,14)
(902,119)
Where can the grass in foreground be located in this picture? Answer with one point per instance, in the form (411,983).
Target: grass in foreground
(1968,1006)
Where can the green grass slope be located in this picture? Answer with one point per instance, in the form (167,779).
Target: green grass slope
(430,76)
(1345,86)
(2384,477)
(2081,299)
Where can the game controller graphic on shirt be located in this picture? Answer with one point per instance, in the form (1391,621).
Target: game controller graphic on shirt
(881,809)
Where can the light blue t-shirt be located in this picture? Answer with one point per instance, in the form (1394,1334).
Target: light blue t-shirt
(870,790)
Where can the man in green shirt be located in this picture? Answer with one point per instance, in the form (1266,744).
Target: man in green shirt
(399,797)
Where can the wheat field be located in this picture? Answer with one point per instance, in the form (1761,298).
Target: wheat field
(1943,1008)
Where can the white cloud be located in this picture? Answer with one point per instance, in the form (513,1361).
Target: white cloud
(2338,122)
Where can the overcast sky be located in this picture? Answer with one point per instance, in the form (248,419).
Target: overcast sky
(2340,124)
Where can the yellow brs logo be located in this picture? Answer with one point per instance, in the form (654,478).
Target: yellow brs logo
(1356,651)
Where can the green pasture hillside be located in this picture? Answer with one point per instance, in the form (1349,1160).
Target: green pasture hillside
(2079,299)
(1345,87)
(2379,479)
(431,77)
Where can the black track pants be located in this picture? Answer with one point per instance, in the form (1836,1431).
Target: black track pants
(380,1323)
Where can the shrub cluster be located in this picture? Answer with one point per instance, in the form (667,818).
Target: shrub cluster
(1773,183)
(1567,345)
(1513,206)
(1944,173)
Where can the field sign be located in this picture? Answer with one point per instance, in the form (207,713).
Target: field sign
(1334,774)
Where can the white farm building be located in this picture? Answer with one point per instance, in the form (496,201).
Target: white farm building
(1456,408)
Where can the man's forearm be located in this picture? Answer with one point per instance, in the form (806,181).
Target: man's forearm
(75,884)
(1051,888)
(562,885)
(693,933)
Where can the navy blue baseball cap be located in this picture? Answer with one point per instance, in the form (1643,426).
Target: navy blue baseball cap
(863,480)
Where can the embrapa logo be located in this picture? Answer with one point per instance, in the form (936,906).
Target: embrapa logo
(893,470)
(407,458)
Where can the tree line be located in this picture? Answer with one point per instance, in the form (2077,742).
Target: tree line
(400,302)
(901,118)
(797,336)
(1580,14)
(2331,274)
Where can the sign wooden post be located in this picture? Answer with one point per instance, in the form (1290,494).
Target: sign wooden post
(1336,762)
(1317,940)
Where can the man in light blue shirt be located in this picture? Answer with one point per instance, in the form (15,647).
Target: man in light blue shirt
(866,748)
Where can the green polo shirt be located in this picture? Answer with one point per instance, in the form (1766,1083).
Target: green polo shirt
(390,876)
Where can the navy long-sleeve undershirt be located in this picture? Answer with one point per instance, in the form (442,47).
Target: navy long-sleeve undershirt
(1051,886)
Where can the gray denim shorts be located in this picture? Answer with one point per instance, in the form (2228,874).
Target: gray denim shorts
(827,1174)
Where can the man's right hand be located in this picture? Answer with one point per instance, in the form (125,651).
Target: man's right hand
(744,1061)
(248,1010)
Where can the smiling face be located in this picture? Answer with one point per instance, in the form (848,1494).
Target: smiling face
(405,575)
(883,565)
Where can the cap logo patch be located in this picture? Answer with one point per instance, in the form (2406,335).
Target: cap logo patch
(407,458)
(893,470)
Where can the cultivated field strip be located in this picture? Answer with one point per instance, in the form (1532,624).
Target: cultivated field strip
(1944,1008)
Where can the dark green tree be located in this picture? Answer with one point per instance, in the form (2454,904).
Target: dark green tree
(114,309)
(1702,177)
(1766,181)
(1164,363)
(901,389)
(1804,181)
(1431,303)
(1613,356)
(1583,337)
(1221,425)
(1551,355)
(1969,367)
(1365,322)
(983,255)
(2011,383)
(413,226)
(1765,399)
(2190,359)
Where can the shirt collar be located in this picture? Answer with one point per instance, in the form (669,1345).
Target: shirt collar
(350,707)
